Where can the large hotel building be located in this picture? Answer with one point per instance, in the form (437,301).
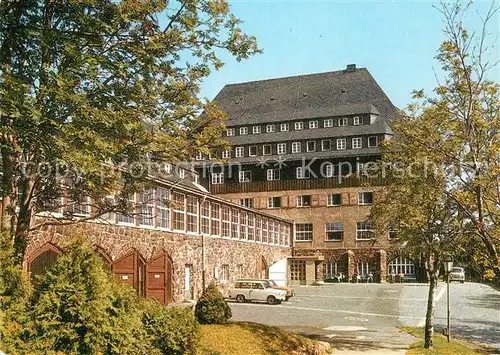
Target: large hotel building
(299,146)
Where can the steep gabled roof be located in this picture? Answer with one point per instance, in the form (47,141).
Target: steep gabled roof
(336,93)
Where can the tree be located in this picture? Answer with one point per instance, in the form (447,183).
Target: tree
(90,91)
(460,128)
(212,308)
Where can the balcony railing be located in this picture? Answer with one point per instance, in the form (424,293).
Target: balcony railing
(300,184)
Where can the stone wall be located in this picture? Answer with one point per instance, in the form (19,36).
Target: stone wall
(243,258)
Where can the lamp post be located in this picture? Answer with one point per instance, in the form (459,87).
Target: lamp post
(448,265)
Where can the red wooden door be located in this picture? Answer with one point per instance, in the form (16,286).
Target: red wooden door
(125,268)
(159,280)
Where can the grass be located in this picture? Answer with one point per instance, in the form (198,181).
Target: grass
(441,345)
(243,338)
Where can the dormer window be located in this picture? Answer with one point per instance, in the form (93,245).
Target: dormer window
(230,132)
(372,141)
(226,154)
(284,127)
(341,144)
(296,147)
(357,121)
(342,121)
(182,173)
(270,128)
(256,129)
(356,143)
(313,124)
(328,123)
(243,131)
(281,148)
(299,126)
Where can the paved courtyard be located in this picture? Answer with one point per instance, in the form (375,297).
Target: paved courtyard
(368,315)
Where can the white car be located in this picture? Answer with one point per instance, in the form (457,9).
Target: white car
(457,274)
(261,291)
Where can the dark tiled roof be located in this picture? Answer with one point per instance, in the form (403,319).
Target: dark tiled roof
(304,96)
(378,127)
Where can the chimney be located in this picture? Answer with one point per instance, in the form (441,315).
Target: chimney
(350,68)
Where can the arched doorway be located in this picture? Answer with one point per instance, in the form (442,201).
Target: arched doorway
(131,270)
(159,278)
(262,268)
(106,260)
(401,265)
(43,260)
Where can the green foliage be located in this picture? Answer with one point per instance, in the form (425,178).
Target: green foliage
(172,330)
(86,83)
(212,308)
(79,308)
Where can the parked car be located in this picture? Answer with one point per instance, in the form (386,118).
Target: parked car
(260,291)
(457,274)
(289,291)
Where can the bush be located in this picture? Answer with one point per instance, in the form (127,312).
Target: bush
(79,308)
(211,308)
(172,330)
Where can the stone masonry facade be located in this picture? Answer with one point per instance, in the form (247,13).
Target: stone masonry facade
(240,258)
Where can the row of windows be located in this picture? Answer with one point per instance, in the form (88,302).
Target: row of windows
(328,171)
(334,231)
(297,147)
(179,212)
(297,126)
(333,200)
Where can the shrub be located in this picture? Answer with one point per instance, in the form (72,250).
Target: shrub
(172,330)
(211,308)
(79,308)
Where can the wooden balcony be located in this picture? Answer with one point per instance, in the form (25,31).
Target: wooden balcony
(302,184)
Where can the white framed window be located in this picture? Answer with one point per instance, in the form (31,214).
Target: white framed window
(168,168)
(328,123)
(147,206)
(304,232)
(356,143)
(365,198)
(205,217)
(334,200)
(235,221)
(239,152)
(226,154)
(304,201)
(296,147)
(372,141)
(401,265)
(226,221)
(243,225)
(243,131)
(334,231)
(273,174)
(224,273)
(251,226)
(230,132)
(329,170)
(342,121)
(313,124)
(364,230)
(284,127)
(163,212)
(245,176)
(274,202)
(302,173)
(266,149)
(192,213)
(326,144)
(299,126)
(341,144)
(311,146)
(256,129)
(217,178)
(357,121)
(270,128)
(252,151)
(393,232)
(363,269)
(215,225)
(182,173)
(178,201)
(281,148)
(247,202)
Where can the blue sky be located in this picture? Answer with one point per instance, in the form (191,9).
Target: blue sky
(395,40)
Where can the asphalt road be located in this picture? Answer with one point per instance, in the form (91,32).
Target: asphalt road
(348,315)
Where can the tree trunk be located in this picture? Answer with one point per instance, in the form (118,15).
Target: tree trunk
(429,316)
